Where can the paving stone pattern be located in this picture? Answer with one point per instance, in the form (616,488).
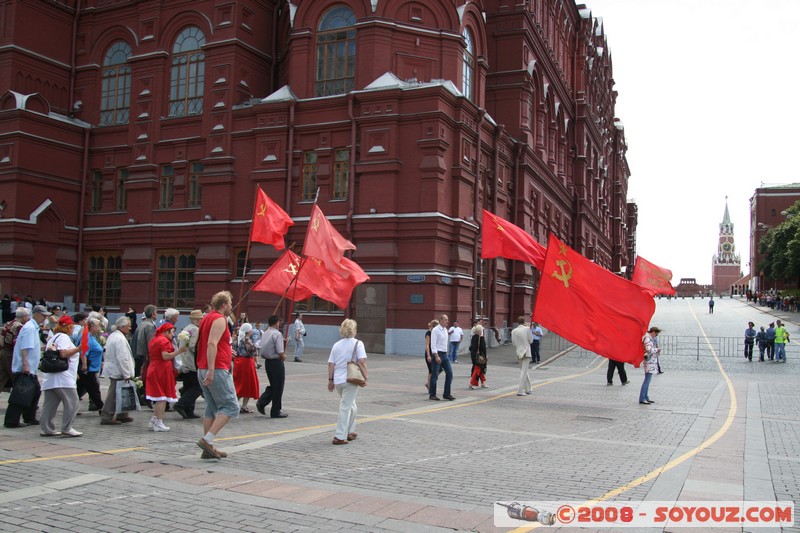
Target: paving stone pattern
(419,465)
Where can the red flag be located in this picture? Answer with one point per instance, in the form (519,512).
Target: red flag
(323,242)
(329,285)
(592,307)
(280,275)
(501,238)
(270,222)
(85,339)
(653,278)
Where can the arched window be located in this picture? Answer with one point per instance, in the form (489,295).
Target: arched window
(468,86)
(336,52)
(115,97)
(188,73)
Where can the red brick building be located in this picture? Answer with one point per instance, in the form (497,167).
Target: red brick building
(133,138)
(766,212)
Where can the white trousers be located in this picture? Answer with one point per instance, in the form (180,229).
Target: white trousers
(347,410)
(524,378)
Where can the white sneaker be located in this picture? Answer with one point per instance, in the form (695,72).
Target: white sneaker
(484,386)
(159,426)
(71,433)
(151,424)
(472,387)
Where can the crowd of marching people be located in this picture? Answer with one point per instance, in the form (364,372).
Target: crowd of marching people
(46,352)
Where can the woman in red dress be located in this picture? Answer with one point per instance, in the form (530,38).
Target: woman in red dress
(160,383)
(244,368)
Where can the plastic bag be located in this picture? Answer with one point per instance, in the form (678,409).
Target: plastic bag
(127,398)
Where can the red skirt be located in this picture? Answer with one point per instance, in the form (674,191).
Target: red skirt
(160,382)
(245,378)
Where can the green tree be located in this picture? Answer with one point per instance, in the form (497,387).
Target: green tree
(781,248)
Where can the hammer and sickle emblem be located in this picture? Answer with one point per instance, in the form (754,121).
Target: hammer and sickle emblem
(315,223)
(262,210)
(499,226)
(292,269)
(566,271)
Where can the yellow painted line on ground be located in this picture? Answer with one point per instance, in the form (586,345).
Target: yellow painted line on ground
(406,414)
(678,460)
(69,456)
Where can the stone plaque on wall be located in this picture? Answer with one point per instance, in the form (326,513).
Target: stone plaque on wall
(371,316)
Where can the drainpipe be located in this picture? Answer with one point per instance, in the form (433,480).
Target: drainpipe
(351,178)
(85,164)
(72,67)
(351,182)
(81,215)
(275,15)
(498,133)
(475,207)
(518,152)
(289,156)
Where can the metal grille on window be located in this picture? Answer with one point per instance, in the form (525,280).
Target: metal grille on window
(187,73)
(115,94)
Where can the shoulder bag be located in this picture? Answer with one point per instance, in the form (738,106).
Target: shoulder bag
(52,362)
(354,374)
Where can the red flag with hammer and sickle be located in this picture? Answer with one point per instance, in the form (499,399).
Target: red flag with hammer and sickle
(279,277)
(323,242)
(591,306)
(270,222)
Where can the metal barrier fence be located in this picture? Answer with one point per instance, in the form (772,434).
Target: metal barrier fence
(684,346)
(722,346)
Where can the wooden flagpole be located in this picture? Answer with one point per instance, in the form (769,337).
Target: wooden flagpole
(297,276)
(247,253)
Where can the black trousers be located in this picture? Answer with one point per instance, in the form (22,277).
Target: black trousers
(535,351)
(276,374)
(748,350)
(138,362)
(13,412)
(87,383)
(620,367)
(191,392)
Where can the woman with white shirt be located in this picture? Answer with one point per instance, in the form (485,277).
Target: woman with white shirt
(61,387)
(347,349)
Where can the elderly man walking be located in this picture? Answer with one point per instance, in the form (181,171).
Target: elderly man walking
(522,337)
(118,366)
(24,364)
(191,390)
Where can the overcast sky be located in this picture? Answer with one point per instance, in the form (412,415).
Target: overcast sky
(707,95)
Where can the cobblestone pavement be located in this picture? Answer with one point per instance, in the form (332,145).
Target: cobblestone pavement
(419,465)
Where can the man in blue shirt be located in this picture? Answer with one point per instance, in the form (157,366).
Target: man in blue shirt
(24,364)
(771,341)
(538,333)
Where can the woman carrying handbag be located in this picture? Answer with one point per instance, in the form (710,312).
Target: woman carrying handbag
(348,349)
(61,387)
(477,350)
